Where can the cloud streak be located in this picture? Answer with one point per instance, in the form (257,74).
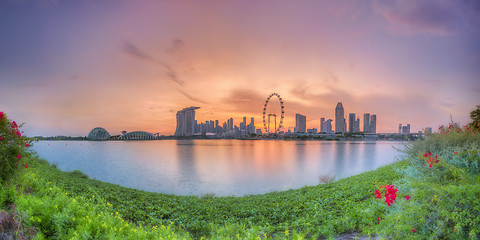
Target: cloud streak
(137,53)
(423,16)
(198,100)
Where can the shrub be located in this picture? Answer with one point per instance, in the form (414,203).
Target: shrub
(13,148)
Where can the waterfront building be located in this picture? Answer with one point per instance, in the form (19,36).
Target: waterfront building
(312,131)
(328,126)
(373,124)
(185,122)
(428,130)
(251,126)
(322,125)
(258,131)
(366,123)
(137,135)
(339,118)
(98,133)
(230,124)
(300,123)
(400,128)
(357,125)
(351,122)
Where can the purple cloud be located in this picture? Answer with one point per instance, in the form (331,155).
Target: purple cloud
(422,16)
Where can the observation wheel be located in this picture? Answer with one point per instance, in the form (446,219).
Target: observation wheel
(267,129)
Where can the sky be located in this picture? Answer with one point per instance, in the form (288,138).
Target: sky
(68,66)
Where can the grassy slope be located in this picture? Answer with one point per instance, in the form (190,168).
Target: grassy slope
(324,210)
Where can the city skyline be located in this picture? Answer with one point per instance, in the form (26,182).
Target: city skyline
(67,67)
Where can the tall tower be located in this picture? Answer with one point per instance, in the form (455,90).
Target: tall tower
(351,122)
(339,119)
(300,123)
(373,123)
(366,123)
(400,128)
(186,122)
(322,125)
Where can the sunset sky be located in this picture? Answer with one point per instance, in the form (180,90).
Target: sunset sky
(68,66)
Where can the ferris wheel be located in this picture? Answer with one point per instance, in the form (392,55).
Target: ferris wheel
(267,127)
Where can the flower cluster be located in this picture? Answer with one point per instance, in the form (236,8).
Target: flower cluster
(13,148)
(390,193)
(430,159)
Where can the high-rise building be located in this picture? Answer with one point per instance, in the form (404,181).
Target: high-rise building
(428,130)
(357,125)
(230,124)
(322,125)
(366,123)
(339,119)
(300,123)
(373,123)
(328,126)
(185,122)
(400,128)
(408,127)
(351,122)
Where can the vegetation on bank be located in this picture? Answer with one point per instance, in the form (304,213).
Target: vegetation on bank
(433,193)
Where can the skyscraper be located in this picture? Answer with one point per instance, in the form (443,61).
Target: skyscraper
(300,123)
(373,124)
(400,128)
(185,122)
(357,125)
(322,125)
(328,126)
(351,122)
(366,123)
(339,119)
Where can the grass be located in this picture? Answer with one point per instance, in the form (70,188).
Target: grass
(444,203)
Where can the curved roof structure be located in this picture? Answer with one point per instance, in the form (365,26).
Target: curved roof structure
(98,133)
(137,135)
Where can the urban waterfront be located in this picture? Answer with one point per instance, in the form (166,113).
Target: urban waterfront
(221,167)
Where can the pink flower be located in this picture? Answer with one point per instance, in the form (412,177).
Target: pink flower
(27,145)
(26,165)
(413,230)
(1,115)
(407,197)
(1,138)
(18,156)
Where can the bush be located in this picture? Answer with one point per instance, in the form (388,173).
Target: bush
(13,148)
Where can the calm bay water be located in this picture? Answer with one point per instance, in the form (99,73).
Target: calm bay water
(222,167)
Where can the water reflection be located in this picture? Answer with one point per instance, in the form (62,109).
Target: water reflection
(222,167)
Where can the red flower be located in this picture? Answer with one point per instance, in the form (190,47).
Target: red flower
(1,138)
(1,115)
(27,145)
(378,219)
(14,124)
(26,165)
(407,197)
(18,156)
(413,230)
(378,194)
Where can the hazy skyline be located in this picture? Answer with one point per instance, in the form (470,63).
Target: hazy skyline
(69,66)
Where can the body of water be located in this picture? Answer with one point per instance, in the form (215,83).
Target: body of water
(222,167)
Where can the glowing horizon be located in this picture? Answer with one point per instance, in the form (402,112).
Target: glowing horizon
(68,67)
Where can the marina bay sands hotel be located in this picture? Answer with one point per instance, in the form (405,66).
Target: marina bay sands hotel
(186,122)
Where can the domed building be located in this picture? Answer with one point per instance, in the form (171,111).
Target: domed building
(137,135)
(98,133)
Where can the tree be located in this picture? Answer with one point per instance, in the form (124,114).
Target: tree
(475,116)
